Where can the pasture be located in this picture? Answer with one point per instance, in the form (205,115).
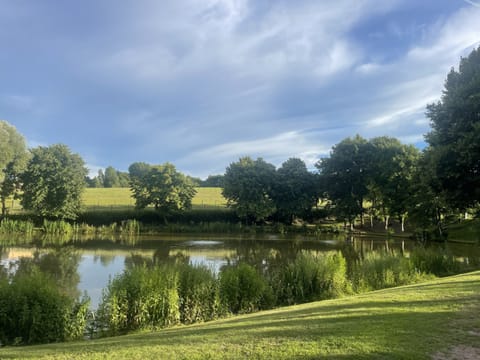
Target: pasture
(120,198)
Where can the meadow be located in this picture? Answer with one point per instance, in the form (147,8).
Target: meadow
(120,198)
(433,320)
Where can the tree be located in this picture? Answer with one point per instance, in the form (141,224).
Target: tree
(295,191)
(391,169)
(345,177)
(111,178)
(248,188)
(455,135)
(13,158)
(53,182)
(161,186)
(213,181)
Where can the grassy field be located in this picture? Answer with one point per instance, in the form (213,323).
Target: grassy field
(121,198)
(436,320)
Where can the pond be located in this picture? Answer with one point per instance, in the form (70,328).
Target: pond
(85,265)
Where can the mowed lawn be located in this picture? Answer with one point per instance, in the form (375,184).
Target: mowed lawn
(121,198)
(434,320)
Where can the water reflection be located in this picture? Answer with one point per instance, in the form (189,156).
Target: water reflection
(84,264)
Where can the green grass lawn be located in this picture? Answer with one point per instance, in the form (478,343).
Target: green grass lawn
(409,322)
(121,198)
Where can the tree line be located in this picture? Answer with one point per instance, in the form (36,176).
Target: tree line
(379,177)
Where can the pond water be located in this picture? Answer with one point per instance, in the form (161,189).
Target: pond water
(86,265)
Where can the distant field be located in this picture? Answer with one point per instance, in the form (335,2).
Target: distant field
(121,198)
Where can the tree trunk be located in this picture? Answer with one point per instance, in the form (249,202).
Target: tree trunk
(387,217)
(403,223)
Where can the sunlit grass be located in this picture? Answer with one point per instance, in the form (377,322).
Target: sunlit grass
(410,322)
(121,199)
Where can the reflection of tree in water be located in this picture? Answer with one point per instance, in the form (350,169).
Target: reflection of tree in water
(60,263)
(161,256)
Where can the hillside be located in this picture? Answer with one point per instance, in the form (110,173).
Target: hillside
(434,320)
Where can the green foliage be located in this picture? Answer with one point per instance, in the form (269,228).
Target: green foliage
(456,132)
(13,158)
(161,186)
(34,310)
(242,288)
(140,297)
(380,270)
(57,227)
(53,182)
(344,177)
(312,277)
(248,186)
(436,261)
(9,226)
(295,191)
(199,294)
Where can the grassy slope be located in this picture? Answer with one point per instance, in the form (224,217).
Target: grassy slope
(121,197)
(410,322)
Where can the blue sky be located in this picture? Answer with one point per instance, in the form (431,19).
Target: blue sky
(200,83)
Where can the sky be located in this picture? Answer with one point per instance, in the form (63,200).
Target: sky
(201,83)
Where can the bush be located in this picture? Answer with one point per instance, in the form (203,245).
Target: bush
(34,310)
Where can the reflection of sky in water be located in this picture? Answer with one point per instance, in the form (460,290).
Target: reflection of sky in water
(94,275)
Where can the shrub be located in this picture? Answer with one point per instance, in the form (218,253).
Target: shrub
(34,310)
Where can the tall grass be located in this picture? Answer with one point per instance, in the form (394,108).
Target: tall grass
(312,277)
(10,226)
(141,297)
(380,270)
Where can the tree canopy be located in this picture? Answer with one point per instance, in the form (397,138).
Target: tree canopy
(13,158)
(248,186)
(161,186)
(455,136)
(53,182)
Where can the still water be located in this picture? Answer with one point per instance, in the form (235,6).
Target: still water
(86,265)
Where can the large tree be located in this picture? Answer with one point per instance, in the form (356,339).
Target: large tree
(248,186)
(455,136)
(345,176)
(13,158)
(295,190)
(53,182)
(162,186)
(390,181)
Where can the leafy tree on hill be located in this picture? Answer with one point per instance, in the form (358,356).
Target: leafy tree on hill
(13,159)
(161,186)
(248,187)
(53,182)
(455,136)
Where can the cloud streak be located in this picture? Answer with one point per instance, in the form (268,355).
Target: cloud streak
(202,82)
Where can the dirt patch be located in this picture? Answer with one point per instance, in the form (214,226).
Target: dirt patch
(459,352)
